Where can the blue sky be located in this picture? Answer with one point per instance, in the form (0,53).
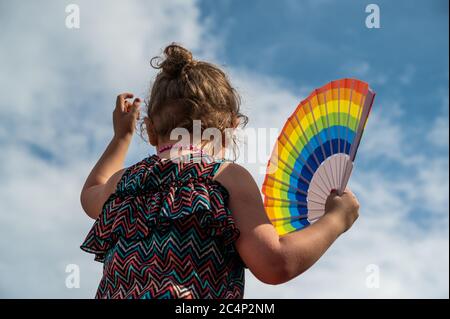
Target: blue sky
(59,85)
(311,41)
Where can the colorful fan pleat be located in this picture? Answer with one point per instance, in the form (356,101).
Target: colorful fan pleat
(314,153)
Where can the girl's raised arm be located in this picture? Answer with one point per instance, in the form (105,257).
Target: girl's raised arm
(105,175)
(271,258)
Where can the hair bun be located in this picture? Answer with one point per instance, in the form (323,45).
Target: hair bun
(176,58)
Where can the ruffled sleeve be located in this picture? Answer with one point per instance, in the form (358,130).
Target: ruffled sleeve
(133,213)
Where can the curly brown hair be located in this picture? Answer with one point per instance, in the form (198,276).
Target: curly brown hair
(185,90)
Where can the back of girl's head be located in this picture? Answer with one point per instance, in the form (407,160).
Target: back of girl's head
(186,90)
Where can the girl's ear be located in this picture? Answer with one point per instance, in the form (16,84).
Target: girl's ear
(152,136)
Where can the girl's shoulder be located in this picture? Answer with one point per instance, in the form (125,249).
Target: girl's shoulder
(234,177)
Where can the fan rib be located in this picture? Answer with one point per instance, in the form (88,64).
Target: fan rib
(368,102)
(348,114)
(299,174)
(339,129)
(299,217)
(343,166)
(306,142)
(299,203)
(319,140)
(333,170)
(298,153)
(294,189)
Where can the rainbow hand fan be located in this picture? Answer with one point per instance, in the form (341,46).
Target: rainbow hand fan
(314,153)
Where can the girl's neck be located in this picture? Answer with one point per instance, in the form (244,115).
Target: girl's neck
(174,149)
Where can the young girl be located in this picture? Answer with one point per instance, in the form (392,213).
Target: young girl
(186,225)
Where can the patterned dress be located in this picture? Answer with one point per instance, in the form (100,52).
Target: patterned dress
(166,232)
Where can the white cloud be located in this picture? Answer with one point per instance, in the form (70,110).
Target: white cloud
(55,120)
(433,185)
(42,225)
(364,71)
(439,134)
(268,104)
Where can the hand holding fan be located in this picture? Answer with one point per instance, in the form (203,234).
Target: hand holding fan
(314,153)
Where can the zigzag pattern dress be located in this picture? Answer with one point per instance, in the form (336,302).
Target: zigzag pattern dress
(166,232)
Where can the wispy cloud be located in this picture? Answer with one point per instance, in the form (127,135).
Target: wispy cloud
(363,70)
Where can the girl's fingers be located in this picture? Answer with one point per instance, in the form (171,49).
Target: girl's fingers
(121,100)
(349,192)
(129,107)
(126,106)
(125,95)
(133,110)
(136,105)
(137,101)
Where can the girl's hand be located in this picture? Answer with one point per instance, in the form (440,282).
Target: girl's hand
(344,207)
(125,115)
